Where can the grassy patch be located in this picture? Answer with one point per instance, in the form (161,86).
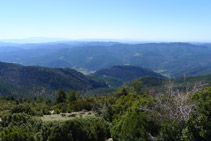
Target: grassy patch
(67,116)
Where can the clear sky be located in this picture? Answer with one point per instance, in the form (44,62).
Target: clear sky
(143,20)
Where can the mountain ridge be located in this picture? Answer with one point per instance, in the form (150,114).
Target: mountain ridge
(21,80)
(166,58)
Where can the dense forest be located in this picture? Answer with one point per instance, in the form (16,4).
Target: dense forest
(118,75)
(131,112)
(17,80)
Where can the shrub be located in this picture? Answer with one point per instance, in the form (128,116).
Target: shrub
(198,126)
(22,109)
(87,129)
(16,134)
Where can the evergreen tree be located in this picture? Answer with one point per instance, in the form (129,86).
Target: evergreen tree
(72,96)
(61,96)
(137,85)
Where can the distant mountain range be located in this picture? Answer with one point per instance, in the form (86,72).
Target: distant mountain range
(169,59)
(18,80)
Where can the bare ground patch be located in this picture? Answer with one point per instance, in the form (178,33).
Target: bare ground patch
(67,116)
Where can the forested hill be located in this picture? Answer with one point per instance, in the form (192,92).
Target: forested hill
(18,80)
(127,73)
(117,75)
(195,72)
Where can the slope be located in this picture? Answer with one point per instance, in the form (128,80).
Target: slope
(21,80)
(117,75)
(195,72)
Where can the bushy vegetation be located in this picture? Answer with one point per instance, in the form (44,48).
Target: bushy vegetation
(131,113)
(16,134)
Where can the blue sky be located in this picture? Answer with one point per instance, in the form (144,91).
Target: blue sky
(140,20)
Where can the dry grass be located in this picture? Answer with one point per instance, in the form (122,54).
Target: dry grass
(67,116)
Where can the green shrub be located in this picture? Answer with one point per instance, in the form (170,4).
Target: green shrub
(87,129)
(16,134)
(22,108)
(198,126)
(130,123)
(171,130)
(81,105)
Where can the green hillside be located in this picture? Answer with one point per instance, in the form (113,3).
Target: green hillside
(20,80)
(195,72)
(179,83)
(117,75)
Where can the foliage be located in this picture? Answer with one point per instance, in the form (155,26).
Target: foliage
(61,96)
(121,92)
(130,122)
(20,120)
(92,129)
(199,124)
(171,130)
(128,114)
(107,111)
(73,96)
(22,108)
(16,134)
(137,85)
(81,105)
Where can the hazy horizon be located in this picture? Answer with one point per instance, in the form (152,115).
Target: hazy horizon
(54,40)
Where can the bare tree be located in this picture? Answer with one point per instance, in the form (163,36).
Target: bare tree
(174,104)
